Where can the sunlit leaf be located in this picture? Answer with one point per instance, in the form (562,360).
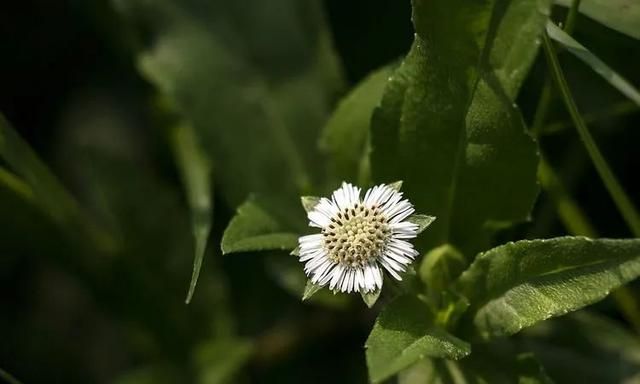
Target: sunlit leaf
(309,290)
(449,129)
(255,229)
(370,298)
(516,285)
(403,334)
(309,202)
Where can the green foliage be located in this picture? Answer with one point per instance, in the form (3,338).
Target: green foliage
(620,15)
(256,125)
(446,116)
(345,135)
(196,174)
(611,76)
(515,285)
(254,229)
(405,333)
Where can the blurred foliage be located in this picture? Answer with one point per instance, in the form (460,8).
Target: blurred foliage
(135,132)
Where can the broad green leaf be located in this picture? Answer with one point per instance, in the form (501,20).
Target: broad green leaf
(37,183)
(516,285)
(196,177)
(586,348)
(611,76)
(370,298)
(344,136)
(255,229)
(403,334)
(620,15)
(447,127)
(220,360)
(256,84)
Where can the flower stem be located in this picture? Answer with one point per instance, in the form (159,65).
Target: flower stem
(620,198)
(544,103)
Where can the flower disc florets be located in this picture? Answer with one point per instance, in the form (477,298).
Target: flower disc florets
(357,236)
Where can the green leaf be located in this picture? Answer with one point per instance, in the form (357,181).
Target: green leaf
(309,202)
(41,187)
(448,128)
(309,290)
(517,42)
(479,368)
(584,347)
(370,298)
(196,177)
(255,229)
(403,334)
(577,49)
(397,186)
(255,84)
(516,285)
(219,361)
(344,136)
(423,221)
(620,15)
(439,269)
(13,183)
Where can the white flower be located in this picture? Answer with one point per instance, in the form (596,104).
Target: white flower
(359,237)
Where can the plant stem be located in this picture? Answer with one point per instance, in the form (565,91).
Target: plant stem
(544,103)
(620,198)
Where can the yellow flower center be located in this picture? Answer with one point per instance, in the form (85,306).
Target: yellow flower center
(357,236)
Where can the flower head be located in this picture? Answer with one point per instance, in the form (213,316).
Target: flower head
(359,237)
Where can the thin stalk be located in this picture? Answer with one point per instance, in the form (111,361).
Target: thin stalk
(620,198)
(544,103)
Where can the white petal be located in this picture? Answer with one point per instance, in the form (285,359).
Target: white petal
(390,269)
(318,219)
(337,274)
